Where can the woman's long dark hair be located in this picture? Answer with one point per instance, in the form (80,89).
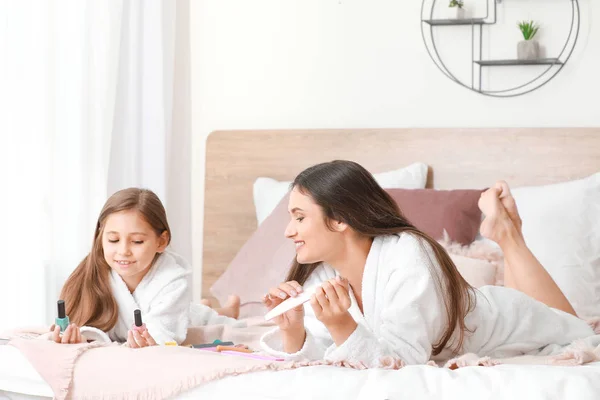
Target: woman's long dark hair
(347,192)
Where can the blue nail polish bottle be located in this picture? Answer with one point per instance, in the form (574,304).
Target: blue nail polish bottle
(62,320)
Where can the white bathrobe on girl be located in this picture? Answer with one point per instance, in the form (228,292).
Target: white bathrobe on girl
(164,297)
(404,314)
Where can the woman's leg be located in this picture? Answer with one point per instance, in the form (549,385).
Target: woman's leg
(510,206)
(522,270)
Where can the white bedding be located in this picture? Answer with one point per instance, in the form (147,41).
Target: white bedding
(18,376)
(18,380)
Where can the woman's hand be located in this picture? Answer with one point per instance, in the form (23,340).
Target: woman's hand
(71,335)
(331,303)
(137,340)
(291,323)
(293,319)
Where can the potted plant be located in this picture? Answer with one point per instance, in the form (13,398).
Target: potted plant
(456,8)
(528,49)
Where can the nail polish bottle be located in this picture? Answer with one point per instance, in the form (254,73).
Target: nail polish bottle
(137,324)
(62,320)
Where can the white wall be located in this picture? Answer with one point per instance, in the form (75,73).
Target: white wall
(361,63)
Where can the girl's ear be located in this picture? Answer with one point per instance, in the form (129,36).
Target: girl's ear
(163,241)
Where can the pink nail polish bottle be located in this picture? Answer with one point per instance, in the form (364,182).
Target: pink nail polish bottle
(137,324)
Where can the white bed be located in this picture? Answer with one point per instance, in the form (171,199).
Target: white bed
(458,159)
(18,380)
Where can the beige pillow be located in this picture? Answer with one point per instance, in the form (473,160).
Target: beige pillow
(477,272)
(480,263)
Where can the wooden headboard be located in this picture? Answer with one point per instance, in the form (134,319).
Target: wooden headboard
(458,158)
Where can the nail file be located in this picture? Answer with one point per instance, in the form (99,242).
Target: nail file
(290,303)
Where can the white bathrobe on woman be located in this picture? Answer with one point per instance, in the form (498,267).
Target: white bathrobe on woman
(404,314)
(164,297)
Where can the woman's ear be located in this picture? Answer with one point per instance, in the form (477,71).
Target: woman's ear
(163,241)
(340,226)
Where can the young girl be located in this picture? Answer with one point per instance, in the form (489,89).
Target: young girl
(129,268)
(385,289)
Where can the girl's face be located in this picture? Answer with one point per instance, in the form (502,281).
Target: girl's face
(130,245)
(314,240)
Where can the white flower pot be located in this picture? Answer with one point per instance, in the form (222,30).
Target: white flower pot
(528,50)
(456,13)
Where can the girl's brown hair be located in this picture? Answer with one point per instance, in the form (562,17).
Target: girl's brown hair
(87,292)
(348,193)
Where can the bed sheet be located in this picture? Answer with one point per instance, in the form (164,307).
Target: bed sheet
(19,381)
(416,382)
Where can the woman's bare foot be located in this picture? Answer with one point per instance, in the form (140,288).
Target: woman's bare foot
(508,201)
(231,308)
(497,224)
(207,302)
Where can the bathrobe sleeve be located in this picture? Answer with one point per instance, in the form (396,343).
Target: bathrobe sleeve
(167,318)
(412,313)
(166,314)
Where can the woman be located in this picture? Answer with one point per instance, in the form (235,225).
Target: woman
(385,289)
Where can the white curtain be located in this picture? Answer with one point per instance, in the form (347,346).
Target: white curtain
(87,94)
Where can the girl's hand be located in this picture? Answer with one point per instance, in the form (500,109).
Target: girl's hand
(331,303)
(137,340)
(292,319)
(71,335)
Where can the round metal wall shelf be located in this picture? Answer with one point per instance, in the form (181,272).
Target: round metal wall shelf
(554,65)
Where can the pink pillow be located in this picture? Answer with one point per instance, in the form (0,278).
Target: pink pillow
(262,262)
(433,211)
(266,257)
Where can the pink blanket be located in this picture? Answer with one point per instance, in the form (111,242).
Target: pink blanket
(105,370)
(101,370)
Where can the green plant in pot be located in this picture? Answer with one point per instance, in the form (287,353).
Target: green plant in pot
(456,9)
(528,49)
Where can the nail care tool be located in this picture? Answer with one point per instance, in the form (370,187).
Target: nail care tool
(207,348)
(208,345)
(223,343)
(290,303)
(231,348)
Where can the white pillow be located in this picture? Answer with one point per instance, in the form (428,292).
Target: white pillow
(561,226)
(268,192)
